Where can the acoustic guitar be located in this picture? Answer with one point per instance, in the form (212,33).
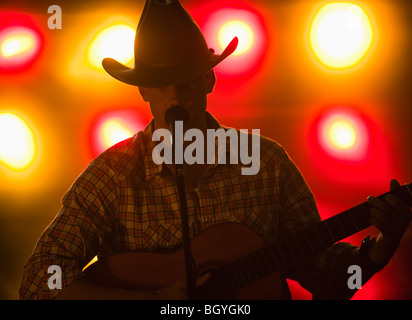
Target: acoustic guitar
(242,266)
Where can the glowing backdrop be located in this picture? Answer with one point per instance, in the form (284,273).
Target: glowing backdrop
(329,81)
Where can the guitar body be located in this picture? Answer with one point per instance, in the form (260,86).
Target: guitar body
(211,250)
(241,265)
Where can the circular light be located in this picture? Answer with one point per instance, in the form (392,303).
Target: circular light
(342,134)
(17,44)
(112,127)
(116,41)
(340,34)
(19,47)
(113,131)
(236,28)
(17,144)
(222,25)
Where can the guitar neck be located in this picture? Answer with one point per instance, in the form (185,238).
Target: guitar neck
(307,242)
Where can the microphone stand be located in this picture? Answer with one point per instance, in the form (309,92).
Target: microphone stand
(181,187)
(189,263)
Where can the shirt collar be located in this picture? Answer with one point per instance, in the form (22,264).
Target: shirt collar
(152,169)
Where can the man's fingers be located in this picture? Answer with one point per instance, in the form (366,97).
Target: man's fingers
(391,215)
(380,221)
(380,204)
(401,208)
(392,205)
(394,184)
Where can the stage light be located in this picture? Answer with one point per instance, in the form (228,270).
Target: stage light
(112,127)
(340,34)
(115,41)
(19,48)
(350,147)
(343,135)
(17,44)
(222,25)
(114,131)
(236,28)
(17,143)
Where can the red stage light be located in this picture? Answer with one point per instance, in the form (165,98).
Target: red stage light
(222,25)
(348,147)
(112,127)
(240,29)
(20,42)
(342,134)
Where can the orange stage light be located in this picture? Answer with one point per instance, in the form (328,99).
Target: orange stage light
(17,143)
(341,34)
(97,36)
(115,41)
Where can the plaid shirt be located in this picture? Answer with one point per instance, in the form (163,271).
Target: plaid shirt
(123,201)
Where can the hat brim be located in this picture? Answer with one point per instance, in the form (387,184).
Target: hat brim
(159,77)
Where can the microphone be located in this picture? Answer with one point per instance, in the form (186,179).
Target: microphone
(176,113)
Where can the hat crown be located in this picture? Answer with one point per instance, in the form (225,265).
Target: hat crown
(167,36)
(169,48)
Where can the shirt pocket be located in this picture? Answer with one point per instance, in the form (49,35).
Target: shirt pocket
(261,222)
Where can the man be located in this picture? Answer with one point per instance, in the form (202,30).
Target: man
(125,202)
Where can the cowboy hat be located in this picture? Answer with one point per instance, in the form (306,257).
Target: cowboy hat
(169,48)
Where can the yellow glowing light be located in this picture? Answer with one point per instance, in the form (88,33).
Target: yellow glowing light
(341,134)
(114,131)
(15,44)
(240,29)
(116,41)
(17,144)
(341,34)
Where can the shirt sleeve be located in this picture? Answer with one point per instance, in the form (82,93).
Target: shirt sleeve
(324,275)
(72,238)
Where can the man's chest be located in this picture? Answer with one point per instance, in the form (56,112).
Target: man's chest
(148,215)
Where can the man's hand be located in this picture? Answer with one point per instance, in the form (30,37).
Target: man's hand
(392,218)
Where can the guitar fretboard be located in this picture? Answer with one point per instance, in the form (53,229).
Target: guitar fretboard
(307,242)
